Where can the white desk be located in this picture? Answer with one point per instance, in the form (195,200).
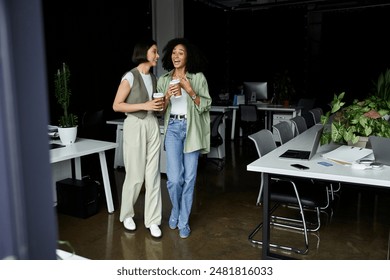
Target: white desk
(60,158)
(272,164)
(270,109)
(220,109)
(64,255)
(118,161)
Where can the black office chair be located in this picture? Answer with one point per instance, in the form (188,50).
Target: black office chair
(216,140)
(306,103)
(299,193)
(316,114)
(284,132)
(250,120)
(308,118)
(299,124)
(93,125)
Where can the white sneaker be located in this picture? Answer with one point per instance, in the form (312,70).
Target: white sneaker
(129,224)
(155,230)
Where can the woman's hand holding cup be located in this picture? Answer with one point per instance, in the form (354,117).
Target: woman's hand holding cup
(160,97)
(174,88)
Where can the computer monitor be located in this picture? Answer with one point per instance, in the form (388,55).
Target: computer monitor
(255,91)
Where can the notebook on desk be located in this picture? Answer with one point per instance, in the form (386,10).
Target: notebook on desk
(347,154)
(304,154)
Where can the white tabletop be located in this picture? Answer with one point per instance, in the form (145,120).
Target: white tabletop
(220,109)
(272,107)
(116,121)
(271,163)
(63,255)
(80,148)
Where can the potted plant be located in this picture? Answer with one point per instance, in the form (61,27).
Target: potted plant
(360,119)
(283,88)
(67,126)
(382,85)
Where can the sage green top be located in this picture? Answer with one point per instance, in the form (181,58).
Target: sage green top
(198,117)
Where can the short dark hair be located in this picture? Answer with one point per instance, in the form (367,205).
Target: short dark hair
(196,61)
(141,49)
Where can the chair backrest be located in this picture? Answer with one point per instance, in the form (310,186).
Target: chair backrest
(308,118)
(284,131)
(316,113)
(216,138)
(306,103)
(264,141)
(92,125)
(248,112)
(299,124)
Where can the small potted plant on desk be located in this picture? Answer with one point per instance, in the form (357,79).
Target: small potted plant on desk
(67,128)
(354,123)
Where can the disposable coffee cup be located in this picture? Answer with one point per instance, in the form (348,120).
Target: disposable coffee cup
(175,82)
(158,95)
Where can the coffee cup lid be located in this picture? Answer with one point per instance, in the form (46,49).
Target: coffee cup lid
(175,81)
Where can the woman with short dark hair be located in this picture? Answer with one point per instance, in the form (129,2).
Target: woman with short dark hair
(141,138)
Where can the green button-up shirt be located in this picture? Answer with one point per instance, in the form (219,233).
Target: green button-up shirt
(198,117)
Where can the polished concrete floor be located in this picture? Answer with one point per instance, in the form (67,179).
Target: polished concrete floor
(223,215)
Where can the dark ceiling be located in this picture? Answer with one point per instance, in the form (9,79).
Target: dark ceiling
(311,4)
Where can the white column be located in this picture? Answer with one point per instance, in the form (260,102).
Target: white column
(168,23)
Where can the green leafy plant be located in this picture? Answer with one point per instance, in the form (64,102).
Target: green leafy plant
(63,92)
(382,85)
(283,86)
(362,118)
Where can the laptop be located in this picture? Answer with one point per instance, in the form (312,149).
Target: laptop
(304,154)
(381,149)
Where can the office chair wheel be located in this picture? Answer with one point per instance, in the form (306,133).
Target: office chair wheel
(220,165)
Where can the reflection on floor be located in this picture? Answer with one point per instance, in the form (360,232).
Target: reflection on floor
(223,215)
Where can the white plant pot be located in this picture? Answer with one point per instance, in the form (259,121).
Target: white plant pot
(67,134)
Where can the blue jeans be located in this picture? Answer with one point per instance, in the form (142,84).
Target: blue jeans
(181,172)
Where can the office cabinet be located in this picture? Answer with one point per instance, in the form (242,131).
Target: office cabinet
(119,151)
(78,198)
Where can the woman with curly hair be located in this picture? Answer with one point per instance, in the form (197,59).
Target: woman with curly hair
(186,125)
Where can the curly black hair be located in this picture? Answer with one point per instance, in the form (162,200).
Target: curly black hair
(196,61)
